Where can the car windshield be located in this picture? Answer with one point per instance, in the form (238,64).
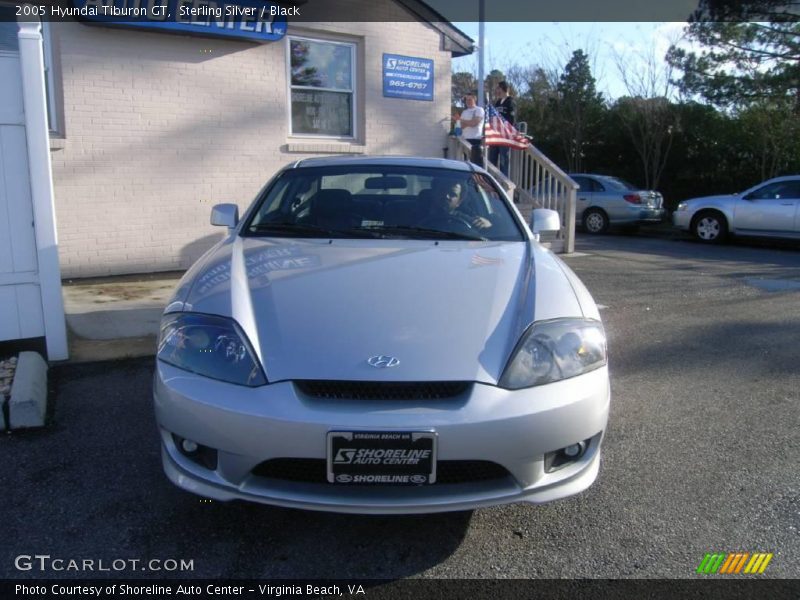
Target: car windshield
(617,183)
(382,202)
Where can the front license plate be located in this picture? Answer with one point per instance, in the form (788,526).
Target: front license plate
(381,457)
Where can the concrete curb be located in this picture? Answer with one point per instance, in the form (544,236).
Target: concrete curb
(83,351)
(28,403)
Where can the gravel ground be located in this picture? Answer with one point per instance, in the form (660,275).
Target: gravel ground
(701,454)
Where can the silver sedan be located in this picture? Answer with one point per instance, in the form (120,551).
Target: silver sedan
(769,209)
(603,201)
(381,335)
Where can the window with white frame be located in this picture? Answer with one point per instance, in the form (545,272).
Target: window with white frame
(322,88)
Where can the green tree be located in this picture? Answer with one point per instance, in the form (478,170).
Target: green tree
(741,63)
(579,109)
(771,133)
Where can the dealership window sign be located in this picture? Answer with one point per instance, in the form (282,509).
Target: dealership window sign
(407,77)
(252,20)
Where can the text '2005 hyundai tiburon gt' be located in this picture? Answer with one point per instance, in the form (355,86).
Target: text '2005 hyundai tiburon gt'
(381,335)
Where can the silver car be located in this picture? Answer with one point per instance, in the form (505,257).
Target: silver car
(603,201)
(381,335)
(769,209)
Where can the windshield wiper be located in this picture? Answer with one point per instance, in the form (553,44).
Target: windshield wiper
(308,230)
(425,231)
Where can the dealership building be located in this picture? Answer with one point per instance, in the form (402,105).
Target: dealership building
(151,126)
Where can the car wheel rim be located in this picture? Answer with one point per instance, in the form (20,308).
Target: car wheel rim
(708,228)
(594,222)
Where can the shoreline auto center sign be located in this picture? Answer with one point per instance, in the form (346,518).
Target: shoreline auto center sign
(407,77)
(252,20)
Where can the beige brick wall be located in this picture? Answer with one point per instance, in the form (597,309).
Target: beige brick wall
(158,129)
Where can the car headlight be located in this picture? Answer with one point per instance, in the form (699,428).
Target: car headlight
(682,206)
(554,350)
(211,346)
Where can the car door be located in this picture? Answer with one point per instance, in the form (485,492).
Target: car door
(605,196)
(770,208)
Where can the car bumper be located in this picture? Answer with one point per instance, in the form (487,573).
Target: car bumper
(651,215)
(634,214)
(513,429)
(681,219)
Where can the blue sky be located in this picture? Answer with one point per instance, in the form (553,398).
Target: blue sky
(551,44)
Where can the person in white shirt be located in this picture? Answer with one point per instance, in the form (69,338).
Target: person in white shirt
(472,127)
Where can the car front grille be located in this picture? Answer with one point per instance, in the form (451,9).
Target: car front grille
(383,390)
(314,470)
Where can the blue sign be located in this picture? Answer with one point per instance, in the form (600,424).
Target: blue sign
(407,77)
(253,20)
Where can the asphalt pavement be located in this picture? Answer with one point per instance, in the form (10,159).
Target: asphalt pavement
(701,453)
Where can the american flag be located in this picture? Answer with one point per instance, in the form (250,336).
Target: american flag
(499,132)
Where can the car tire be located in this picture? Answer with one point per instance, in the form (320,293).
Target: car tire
(595,221)
(710,227)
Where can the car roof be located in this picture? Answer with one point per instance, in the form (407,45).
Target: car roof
(393,161)
(782,178)
(594,175)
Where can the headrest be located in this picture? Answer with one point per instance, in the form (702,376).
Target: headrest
(331,202)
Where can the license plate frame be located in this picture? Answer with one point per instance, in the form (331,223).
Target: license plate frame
(396,458)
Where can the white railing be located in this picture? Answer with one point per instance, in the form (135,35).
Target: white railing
(542,184)
(534,181)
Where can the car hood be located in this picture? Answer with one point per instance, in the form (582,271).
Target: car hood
(319,309)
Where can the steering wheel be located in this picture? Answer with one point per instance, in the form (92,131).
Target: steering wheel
(461,219)
(447,220)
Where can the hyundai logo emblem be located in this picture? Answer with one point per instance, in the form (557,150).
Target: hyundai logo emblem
(383,362)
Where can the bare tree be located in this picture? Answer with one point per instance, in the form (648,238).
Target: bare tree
(647,114)
(535,90)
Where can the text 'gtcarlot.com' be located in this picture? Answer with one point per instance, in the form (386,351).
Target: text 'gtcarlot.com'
(44,562)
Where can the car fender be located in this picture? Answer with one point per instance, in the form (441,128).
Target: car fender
(218,253)
(724,204)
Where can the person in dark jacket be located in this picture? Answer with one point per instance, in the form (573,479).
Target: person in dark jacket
(499,155)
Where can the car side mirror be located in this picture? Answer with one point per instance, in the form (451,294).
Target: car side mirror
(544,219)
(225,215)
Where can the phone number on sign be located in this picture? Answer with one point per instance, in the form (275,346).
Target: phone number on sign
(408,84)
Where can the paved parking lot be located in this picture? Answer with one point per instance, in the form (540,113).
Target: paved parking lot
(701,454)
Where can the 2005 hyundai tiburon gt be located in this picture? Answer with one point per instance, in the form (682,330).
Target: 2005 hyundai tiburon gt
(381,335)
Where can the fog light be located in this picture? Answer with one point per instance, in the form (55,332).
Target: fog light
(572,452)
(553,461)
(197,453)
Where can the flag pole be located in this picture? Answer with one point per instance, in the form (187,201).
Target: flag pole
(481,97)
